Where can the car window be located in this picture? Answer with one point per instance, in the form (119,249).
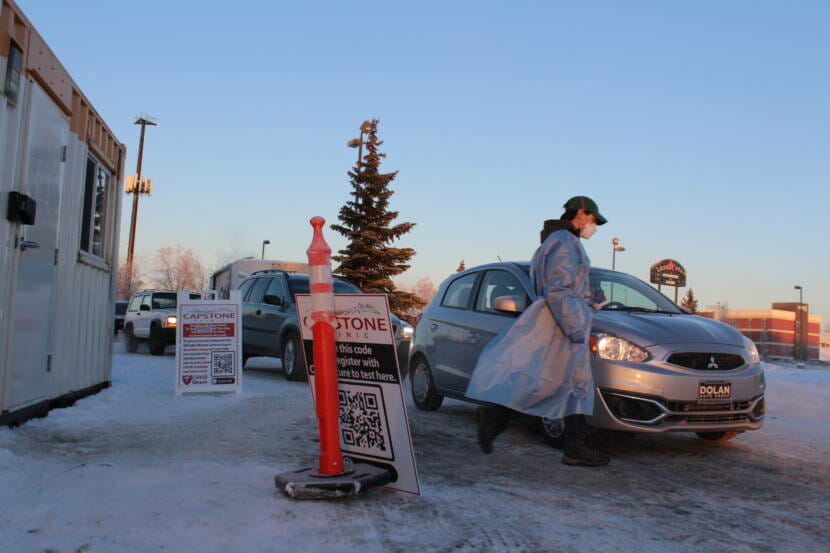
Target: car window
(495,284)
(244,287)
(146,300)
(276,288)
(459,291)
(164,300)
(135,301)
(299,285)
(258,291)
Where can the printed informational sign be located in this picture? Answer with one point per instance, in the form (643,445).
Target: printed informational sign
(208,344)
(668,272)
(373,422)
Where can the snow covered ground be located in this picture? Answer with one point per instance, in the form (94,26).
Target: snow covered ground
(135,469)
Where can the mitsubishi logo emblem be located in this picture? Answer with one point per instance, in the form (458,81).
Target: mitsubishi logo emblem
(712,364)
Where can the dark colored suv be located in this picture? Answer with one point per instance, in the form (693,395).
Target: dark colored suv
(271,327)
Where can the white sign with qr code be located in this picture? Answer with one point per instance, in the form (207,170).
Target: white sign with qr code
(373,423)
(208,343)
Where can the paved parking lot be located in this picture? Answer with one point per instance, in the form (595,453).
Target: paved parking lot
(138,469)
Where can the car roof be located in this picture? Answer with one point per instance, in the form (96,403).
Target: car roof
(292,276)
(525,265)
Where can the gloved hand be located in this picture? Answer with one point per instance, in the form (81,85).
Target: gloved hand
(577,338)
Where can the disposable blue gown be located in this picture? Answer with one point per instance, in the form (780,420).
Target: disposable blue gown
(533,366)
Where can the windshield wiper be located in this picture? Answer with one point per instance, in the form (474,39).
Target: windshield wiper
(640,310)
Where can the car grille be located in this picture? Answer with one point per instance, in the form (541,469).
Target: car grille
(707,361)
(650,411)
(697,412)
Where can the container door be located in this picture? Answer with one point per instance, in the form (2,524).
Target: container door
(33,316)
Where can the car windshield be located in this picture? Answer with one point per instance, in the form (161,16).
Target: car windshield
(622,292)
(299,285)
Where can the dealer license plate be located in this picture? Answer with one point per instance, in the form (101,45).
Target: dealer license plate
(714,391)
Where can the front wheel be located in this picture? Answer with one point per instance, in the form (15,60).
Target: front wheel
(156,342)
(424,393)
(292,358)
(553,431)
(132,341)
(718,436)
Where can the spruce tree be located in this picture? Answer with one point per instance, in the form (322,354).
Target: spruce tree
(689,301)
(369,260)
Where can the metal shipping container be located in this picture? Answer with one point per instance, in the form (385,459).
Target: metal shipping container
(61,170)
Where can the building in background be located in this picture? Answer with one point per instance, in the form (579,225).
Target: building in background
(60,173)
(777,332)
(824,346)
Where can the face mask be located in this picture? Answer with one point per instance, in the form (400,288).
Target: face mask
(588,230)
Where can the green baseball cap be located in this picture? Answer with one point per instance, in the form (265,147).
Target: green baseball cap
(586,203)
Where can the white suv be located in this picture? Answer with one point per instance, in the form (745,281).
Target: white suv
(151,316)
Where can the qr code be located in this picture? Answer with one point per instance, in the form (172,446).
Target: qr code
(363,425)
(221,363)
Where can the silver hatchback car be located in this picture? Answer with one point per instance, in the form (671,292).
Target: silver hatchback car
(656,368)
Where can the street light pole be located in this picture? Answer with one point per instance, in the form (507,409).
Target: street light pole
(615,247)
(264,242)
(799,322)
(365,128)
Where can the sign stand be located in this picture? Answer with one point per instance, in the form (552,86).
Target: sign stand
(208,344)
(335,477)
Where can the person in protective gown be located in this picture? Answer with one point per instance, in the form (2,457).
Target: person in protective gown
(541,365)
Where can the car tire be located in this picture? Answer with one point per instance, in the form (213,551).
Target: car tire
(553,431)
(424,393)
(718,436)
(292,357)
(131,341)
(156,342)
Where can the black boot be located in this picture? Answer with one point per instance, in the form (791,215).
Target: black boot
(578,453)
(491,422)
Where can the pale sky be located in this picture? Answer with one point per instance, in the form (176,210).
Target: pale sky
(700,128)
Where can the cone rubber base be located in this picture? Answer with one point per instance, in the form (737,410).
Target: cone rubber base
(309,484)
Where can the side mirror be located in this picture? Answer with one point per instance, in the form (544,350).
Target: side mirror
(273,300)
(510,304)
(144,307)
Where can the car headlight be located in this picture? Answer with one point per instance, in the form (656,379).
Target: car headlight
(170,321)
(407,331)
(752,351)
(614,348)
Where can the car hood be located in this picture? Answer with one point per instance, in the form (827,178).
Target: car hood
(649,329)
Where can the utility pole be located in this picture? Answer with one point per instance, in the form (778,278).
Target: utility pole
(136,186)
